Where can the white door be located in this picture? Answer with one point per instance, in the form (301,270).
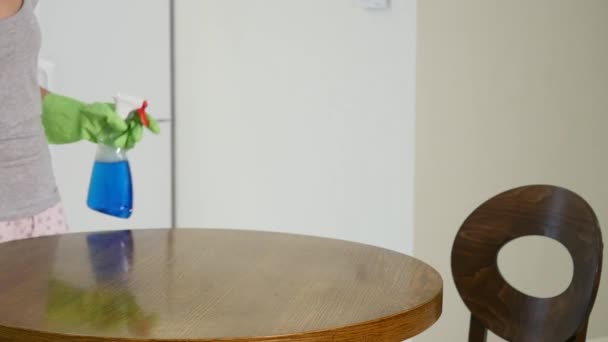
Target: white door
(99,48)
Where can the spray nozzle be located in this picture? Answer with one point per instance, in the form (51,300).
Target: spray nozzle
(142,114)
(125,105)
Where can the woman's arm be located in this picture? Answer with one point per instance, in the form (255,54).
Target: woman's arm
(43,92)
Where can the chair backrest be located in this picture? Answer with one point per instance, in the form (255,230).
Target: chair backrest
(543,210)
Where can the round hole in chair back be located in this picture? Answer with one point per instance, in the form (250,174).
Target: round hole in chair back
(536,266)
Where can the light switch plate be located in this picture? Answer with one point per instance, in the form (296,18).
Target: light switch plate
(375,4)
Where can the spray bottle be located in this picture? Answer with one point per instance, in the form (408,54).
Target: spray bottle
(111,187)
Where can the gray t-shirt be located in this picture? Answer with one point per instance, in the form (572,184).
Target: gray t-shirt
(27,184)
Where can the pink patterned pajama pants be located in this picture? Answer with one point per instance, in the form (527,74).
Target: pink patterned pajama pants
(49,222)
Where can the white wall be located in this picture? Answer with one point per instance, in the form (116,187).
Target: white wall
(297,116)
(100,48)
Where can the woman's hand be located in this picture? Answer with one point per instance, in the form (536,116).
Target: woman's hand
(67,120)
(134,133)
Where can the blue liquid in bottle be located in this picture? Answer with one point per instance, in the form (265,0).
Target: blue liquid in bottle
(111,188)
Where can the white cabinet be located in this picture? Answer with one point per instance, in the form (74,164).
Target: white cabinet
(297,116)
(100,48)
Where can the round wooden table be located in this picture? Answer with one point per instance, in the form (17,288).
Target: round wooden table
(211,285)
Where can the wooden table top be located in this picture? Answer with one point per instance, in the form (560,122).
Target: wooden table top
(211,285)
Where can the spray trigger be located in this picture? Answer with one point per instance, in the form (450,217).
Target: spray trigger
(142,114)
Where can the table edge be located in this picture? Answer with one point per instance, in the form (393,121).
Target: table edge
(397,328)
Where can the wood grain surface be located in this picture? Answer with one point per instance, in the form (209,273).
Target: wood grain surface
(211,285)
(543,210)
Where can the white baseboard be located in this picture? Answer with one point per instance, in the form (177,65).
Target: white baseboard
(598,339)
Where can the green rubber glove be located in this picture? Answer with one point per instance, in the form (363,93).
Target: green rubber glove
(68,120)
(135,131)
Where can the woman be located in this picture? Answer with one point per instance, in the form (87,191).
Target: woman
(29,200)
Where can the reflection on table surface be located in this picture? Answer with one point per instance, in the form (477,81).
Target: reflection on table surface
(98,309)
(109,305)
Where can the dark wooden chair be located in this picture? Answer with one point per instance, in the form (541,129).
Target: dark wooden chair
(548,211)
